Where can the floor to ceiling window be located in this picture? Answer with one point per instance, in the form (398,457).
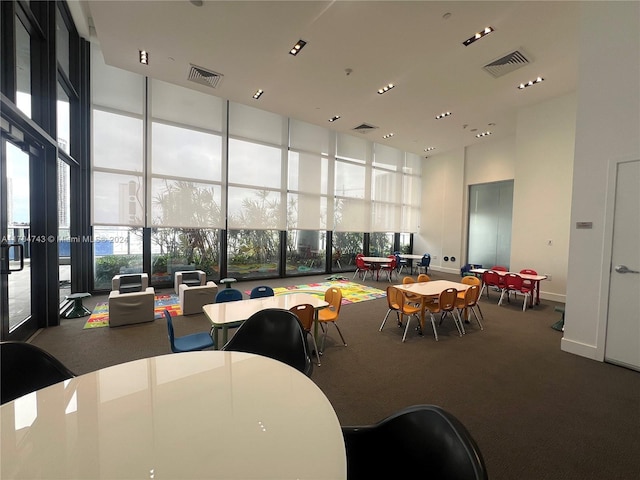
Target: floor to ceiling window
(41,104)
(178,173)
(185,205)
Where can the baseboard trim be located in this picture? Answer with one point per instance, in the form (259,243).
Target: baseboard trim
(581,349)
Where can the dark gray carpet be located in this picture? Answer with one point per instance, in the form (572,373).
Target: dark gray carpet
(535,411)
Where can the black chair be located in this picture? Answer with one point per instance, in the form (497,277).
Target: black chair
(274,333)
(130,283)
(422,441)
(26,368)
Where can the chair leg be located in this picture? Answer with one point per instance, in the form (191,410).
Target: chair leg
(524,303)
(354,274)
(477,305)
(461,329)
(340,333)
(501,295)
(477,318)
(385,319)
(433,324)
(406,328)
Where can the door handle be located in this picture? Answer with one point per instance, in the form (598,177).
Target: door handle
(624,269)
(4,257)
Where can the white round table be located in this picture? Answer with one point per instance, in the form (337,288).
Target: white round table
(201,415)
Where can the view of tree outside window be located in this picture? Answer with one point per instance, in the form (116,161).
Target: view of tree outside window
(380,244)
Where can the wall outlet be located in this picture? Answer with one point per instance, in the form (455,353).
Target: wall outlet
(549,278)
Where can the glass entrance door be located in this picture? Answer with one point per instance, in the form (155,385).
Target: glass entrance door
(15,242)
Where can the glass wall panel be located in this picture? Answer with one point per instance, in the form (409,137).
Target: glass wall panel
(185,160)
(308,173)
(253,253)
(411,193)
(179,203)
(23,68)
(306,252)
(117,199)
(254,164)
(346,245)
(253,208)
(63,121)
(117,141)
(490,214)
(405,243)
(64,228)
(62,43)
(350,180)
(180,152)
(179,249)
(381,244)
(116,250)
(352,214)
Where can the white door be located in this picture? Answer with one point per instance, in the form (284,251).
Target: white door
(623,319)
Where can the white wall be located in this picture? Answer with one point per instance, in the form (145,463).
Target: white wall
(545,139)
(442,203)
(607,128)
(543,143)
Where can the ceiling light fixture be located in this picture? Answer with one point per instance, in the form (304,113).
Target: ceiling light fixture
(297,47)
(442,115)
(483,134)
(478,36)
(258,94)
(522,86)
(334,118)
(386,89)
(144,57)
(388,135)
(428,149)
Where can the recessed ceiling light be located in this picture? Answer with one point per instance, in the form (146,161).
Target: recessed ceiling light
(297,47)
(478,36)
(483,134)
(386,88)
(144,57)
(258,94)
(388,135)
(334,118)
(442,115)
(522,86)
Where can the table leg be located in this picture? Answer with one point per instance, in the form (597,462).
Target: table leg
(214,334)
(225,335)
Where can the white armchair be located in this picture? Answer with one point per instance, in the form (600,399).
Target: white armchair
(192,299)
(190,278)
(131,308)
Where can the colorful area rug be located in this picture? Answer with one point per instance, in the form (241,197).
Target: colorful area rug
(351,292)
(100,315)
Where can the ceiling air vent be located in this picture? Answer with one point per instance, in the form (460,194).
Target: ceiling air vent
(364,128)
(204,77)
(507,64)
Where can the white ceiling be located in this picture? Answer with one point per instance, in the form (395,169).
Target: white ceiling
(410,44)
